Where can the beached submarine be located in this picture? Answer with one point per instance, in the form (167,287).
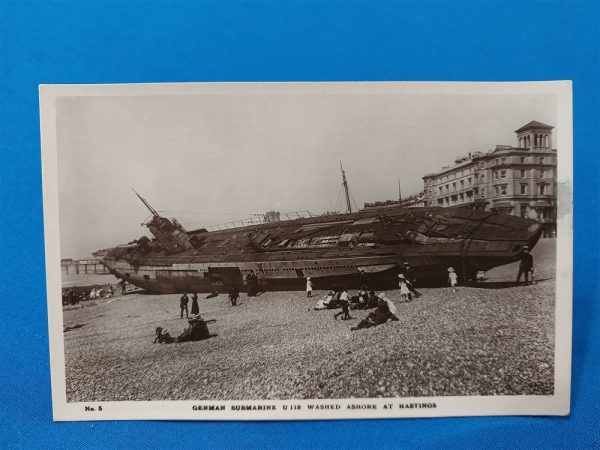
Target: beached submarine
(349,250)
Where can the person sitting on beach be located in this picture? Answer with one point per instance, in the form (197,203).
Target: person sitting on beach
(363,298)
(381,315)
(372,300)
(354,302)
(163,336)
(197,330)
(324,301)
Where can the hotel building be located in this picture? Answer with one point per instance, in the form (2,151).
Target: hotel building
(519,180)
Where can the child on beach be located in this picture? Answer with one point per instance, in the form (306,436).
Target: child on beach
(452,278)
(309,287)
(345,303)
(404,290)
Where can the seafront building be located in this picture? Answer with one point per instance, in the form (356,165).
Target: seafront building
(518,180)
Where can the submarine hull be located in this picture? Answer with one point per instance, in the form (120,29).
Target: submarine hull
(348,250)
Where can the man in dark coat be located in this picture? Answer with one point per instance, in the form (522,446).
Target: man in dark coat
(233,295)
(183,304)
(526,265)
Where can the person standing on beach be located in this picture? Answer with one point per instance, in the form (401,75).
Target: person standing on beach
(345,303)
(251,284)
(254,284)
(452,278)
(183,304)
(526,265)
(404,289)
(233,295)
(309,287)
(195,307)
(409,276)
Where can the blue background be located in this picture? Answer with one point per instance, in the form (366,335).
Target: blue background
(127,41)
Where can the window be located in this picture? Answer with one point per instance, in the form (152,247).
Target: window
(453,186)
(495,175)
(523,189)
(146,277)
(542,189)
(497,161)
(542,173)
(503,189)
(496,190)
(541,159)
(522,160)
(469,180)
(503,161)
(503,174)
(523,173)
(523,210)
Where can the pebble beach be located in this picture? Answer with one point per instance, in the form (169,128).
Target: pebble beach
(492,338)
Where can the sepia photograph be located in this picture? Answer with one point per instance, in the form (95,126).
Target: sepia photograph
(277,251)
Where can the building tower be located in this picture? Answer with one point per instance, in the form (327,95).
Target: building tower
(534,135)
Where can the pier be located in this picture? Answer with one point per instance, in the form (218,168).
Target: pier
(83,266)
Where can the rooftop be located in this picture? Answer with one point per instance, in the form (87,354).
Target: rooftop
(534,124)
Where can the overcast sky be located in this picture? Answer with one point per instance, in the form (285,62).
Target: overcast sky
(209,159)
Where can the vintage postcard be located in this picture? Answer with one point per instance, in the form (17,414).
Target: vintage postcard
(277,251)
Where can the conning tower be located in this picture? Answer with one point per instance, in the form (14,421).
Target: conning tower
(169,232)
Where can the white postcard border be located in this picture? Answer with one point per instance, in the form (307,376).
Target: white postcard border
(557,404)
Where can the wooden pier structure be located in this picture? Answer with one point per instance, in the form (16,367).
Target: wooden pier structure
(83,266)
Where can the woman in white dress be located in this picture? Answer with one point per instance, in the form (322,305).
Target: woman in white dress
(404,290)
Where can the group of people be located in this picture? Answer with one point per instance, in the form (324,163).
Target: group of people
(196,331)
(103,292)
(183,305)
(383,308)
(74,295)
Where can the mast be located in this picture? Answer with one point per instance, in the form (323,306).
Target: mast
(399,191)
(345,184)
(152,210)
